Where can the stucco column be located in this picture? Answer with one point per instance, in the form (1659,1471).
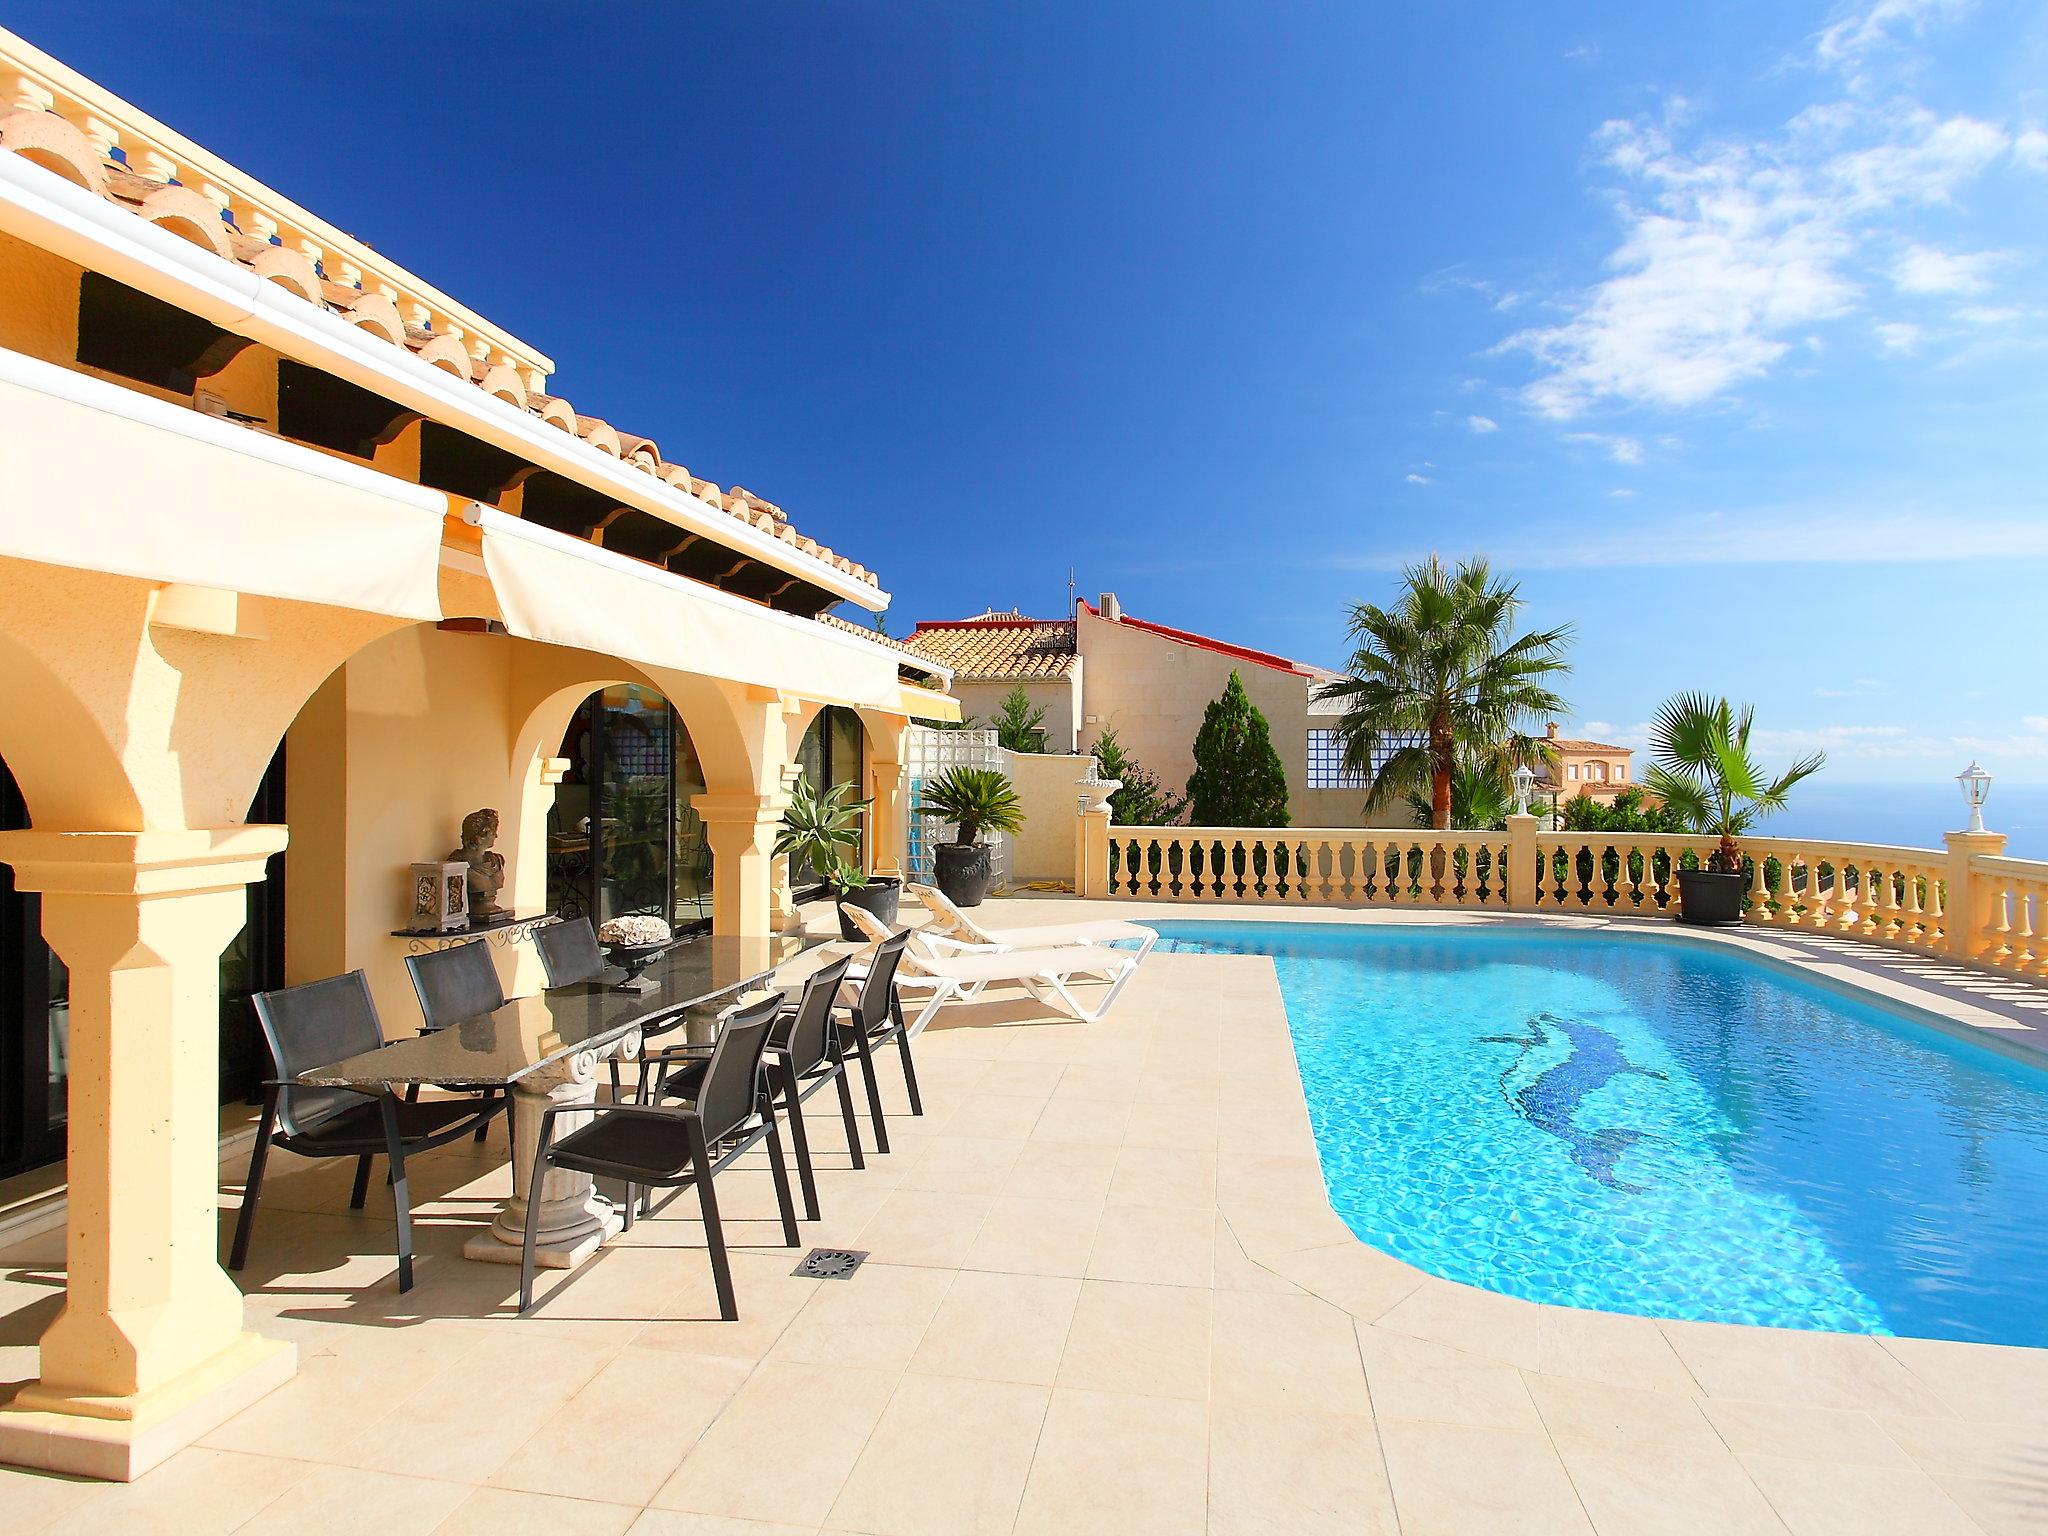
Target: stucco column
(741,832)
(1967,908)
(889,816)
(149,1352)
(1524,874)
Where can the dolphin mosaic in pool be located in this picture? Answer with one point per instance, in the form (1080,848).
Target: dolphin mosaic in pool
(1550,1101)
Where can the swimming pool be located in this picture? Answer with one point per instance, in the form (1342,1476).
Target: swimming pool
(1661,1126)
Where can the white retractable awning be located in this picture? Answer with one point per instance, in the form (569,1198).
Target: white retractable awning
(102,478)
(561,590)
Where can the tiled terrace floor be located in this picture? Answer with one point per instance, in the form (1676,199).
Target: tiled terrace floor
(1106,1295)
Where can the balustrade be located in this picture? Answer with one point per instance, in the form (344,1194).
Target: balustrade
(1967,902)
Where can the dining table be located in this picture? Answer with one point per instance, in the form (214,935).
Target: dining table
(546,1050)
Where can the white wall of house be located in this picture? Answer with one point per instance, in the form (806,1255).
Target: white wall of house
(1059,697)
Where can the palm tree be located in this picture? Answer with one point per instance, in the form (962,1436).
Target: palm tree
(1441,671)
(1702,770)
(1480,797)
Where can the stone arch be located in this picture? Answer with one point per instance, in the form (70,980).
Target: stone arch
(599,434)
(447,354)
(71,775)
(503,381)
(555,411)
(182,212)
(47,140)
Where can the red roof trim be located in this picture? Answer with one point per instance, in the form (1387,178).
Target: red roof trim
(1204,643)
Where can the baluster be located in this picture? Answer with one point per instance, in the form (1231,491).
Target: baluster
(1998,930)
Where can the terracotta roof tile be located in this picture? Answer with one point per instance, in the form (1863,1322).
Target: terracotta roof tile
(999,648)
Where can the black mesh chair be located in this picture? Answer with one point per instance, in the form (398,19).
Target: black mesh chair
(569,951)
(664,1147)
(454,984)
(317,1025)
(807,1055)
(876,1018)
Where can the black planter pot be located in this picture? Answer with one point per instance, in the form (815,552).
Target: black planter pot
(1710,896)
(963,873)
(878,896)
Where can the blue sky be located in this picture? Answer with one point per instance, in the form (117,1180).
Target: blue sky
(1725,327)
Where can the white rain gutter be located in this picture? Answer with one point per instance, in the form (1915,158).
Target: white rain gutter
(43,208)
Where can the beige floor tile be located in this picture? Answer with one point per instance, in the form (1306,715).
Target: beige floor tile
(1155,1176)
(876,1319)
(997,1116)
(1264,1177)
(948,1458)
(624,1433)
(1979,1381)
(1601,1411)
(1811,1434)
(451,1429)
(1056,1170)
(2014,1453)
(30,1501)
(2002,1509)
(347,1501)
(1651,1488)
(1363,1281)
(783,1448)
(320,1413)
(675,1522)
(1817,1498)
(1417,1379)
(1455,1480)
(1084,1122)
(195,1493)
(1109,1465)
(767,1294)
(1174,1126)
(1557,1341)
(962,1165)
(1267,1230)
(1236,1271)
(1152,1340)
(508,1512)
(1814,1370)
(1291,1351)
(1036,1237)
(1000,1327)
(918,1226)
(1158,1245)
(1295,1472)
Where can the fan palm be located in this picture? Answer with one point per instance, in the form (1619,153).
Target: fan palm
(1480,797)
(1701,768)
(1439,672)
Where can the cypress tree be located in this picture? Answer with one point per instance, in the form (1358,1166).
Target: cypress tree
(1238,780)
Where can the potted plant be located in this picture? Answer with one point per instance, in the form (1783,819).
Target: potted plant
(819,828)
(975,800)
(1702,770)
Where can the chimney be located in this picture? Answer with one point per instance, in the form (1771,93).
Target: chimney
(1551,730)
(1111,609)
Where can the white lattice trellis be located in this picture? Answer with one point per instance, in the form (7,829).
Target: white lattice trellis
(928,754)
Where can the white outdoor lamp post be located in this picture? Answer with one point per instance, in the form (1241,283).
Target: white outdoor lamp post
(1525,779)
(1976,784)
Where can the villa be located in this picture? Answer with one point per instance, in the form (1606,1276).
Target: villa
(355,687)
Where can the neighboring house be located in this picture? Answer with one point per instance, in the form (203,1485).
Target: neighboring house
(1150,682)
(1597,769)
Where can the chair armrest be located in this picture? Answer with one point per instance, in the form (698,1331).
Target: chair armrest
(676,1052)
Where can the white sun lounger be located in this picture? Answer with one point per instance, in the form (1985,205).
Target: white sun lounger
(956,924)
(1047,974)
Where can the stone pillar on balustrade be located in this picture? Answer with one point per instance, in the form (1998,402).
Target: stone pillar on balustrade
(1967,904)
(149,1351)
(1525,876)
(1091,834)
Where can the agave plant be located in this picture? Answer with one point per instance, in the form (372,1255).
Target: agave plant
(1702,769)
(818,827)
(976,800)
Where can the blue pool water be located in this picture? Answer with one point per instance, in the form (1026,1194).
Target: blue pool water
(1654,1125)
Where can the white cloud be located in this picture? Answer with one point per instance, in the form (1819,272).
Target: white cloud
(1731,250)
(1899,336)
(1621,493)
(1482,424)
(1765,536)
(1923,269)
(2030,149)
(1990,314)
(1623,450)
(1420,480)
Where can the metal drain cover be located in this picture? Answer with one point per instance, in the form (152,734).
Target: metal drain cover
(829,1264)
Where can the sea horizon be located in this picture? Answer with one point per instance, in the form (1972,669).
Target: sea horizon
(1911,815)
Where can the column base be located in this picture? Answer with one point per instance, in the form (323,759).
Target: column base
(120,1438)
(491,1246)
